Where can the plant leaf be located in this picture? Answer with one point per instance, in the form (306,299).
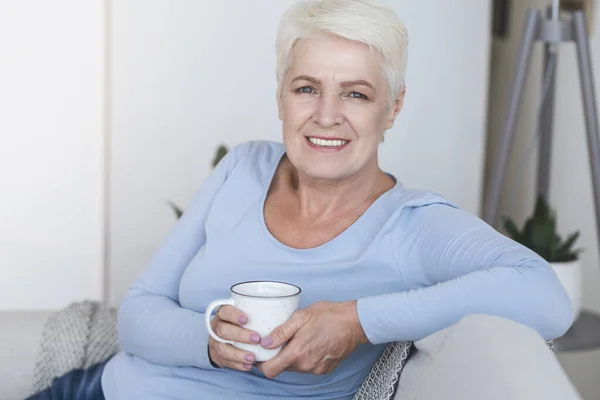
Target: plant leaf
(542,234)
(512,230)
(539,234)
(220,153)
(542,210)
(527,230)
(178,211)
(570,241)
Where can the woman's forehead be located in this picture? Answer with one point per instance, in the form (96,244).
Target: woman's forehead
(334,59)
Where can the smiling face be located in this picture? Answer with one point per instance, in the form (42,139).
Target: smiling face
(335,109)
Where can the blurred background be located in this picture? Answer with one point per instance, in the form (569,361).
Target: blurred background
(110,109)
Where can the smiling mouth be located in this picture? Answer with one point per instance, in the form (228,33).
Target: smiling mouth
(331,143)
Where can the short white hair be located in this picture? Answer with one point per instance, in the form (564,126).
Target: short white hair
(363,21)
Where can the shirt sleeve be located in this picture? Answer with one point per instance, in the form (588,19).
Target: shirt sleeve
(464,267)
(151,322)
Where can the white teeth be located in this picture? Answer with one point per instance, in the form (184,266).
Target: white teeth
(327,143)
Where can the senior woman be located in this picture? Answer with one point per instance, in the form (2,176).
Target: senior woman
(376,262)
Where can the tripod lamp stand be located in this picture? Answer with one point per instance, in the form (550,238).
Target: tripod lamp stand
(552,31)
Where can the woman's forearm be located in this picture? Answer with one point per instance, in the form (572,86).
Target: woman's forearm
(157,329)
(530,295)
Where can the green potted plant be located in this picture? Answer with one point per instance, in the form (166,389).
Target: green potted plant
(539,234)
(219,154)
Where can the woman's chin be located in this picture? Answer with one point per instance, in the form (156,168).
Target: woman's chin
(326,174)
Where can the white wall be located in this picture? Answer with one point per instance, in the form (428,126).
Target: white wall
(570,184)
(51,127)
(189,75)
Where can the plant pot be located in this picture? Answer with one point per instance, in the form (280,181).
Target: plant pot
(569,274)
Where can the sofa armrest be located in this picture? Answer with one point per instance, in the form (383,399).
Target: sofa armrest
(20,333)
(484,357)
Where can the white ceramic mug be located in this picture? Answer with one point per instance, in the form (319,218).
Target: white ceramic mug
(267,305)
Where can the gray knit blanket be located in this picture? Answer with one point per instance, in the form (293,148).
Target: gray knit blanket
(77,336)
(85,333)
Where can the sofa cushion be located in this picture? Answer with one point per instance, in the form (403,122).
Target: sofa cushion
(20,333)
(485,357)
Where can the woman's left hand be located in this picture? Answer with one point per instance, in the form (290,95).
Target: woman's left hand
(317,339)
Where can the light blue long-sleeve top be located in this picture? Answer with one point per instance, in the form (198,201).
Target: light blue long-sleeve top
(415,262)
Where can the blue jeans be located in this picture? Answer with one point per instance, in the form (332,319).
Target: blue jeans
(79,384)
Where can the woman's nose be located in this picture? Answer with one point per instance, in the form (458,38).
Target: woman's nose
(329,111)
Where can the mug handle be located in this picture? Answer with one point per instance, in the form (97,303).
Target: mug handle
(207,314)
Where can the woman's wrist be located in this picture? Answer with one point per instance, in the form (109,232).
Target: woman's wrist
(353,319)
(210,358)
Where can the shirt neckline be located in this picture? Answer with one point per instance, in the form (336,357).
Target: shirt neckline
(362,221)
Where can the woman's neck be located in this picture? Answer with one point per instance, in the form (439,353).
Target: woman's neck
(323,199)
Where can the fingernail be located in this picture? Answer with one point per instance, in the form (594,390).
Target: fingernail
(255,338)
(248,366)
(242,319)
(267,341)
(249,358)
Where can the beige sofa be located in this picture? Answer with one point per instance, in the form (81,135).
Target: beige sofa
(481,357)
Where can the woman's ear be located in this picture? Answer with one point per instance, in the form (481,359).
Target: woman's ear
(397,107)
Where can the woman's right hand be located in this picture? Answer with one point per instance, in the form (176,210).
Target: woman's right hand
(227,324)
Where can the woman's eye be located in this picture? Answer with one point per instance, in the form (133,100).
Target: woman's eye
(305,89)
(357,95)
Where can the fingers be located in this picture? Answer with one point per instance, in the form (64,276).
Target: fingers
(279,363)
(232,315)
(228,325)
(225,355)
(283,333)
(235,333)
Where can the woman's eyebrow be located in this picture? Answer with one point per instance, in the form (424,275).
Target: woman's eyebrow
(306,78)
(357,83)
(344,84)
